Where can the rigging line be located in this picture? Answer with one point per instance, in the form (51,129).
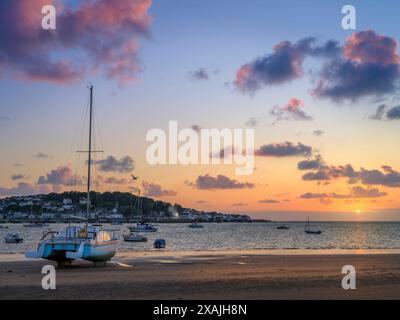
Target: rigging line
(98,130)
(78,129)
(94,137)
(80,142)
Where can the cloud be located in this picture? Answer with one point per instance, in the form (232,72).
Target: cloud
(114,180)
(318,133)
(357,192)
(41,155)
(379,113)
(155,190)
(199,74)
(310,195)
(227,153)
(107,32)
(312,164)
(383,113)
(394,113)
(62,176)
(290,111)
(370,66)
(367,65)
(17,164)
(112,164)
(19,176)
(23,189)
(207,182)
(332,172)
(270,201)
(252,122)
(360,192)
(196,128)
(387,177)
(239,204)
(285,149)
(284,64)
(4,118)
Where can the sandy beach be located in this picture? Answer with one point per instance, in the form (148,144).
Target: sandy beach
(208,275)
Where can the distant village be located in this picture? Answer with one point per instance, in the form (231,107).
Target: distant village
(105,208)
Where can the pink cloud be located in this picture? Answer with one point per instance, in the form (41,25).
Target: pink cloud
(105,34)
(370,47)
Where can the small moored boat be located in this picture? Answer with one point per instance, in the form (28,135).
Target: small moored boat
(134,237)
(35,225)
(309,230)
(283,228)
(143,227)
(195,225)
(13,238)
(160,244)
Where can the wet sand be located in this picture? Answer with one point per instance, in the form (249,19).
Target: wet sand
(204,275)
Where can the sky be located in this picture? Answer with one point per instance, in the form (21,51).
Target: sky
(322,101)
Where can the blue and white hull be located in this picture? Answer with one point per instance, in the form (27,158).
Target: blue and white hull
(99,246)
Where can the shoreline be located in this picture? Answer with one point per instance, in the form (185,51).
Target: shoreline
(181,254)
(243,276)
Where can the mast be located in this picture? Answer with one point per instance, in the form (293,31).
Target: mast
(89,156)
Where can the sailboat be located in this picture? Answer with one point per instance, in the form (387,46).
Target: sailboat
(87,242)
(308,229)
(35,224)
(140,226)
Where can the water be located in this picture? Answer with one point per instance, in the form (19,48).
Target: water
(241,236)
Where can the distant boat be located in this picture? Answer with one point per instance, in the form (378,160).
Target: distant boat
(142,227)
(35,225)
(3,227)
(195,225)
(117,223)
(283,228)
(13,238)
(137,210)
(159,244)
(309,230)
(134,237)
(91,243)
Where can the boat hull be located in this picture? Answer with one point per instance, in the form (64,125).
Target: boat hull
(133,229)
(313,232)
(67,252)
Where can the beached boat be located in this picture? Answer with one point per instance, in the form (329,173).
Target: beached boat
(195,225)
(13,238)
(134,237)
(91,243)
(309,230)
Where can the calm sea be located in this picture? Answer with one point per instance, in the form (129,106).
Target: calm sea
(242,236)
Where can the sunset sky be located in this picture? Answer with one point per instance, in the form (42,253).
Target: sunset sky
(323,101)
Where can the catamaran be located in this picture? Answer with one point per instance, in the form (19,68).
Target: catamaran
(86,242)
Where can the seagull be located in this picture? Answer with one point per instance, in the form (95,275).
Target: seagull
(134,177)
